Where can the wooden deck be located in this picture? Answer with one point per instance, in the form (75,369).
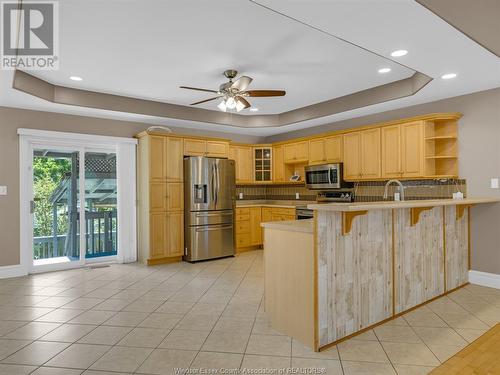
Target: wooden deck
(480,357)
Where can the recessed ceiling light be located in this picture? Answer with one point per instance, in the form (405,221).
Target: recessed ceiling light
(76,78)
(399,53)
(448,76)
(254,109)
(384,70)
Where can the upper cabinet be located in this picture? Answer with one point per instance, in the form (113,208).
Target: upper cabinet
(174,159)
(325,150)
(295,153)
(217,149)
(262,157)
(362,155)
(201,147)
(157,158)
(278,164)
(243,157)
(402,150)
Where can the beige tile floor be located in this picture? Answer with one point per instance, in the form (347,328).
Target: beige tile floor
(128,319)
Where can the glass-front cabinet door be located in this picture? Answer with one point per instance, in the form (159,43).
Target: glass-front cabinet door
(262,164)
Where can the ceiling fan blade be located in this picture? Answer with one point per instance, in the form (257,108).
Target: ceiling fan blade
(262,93)
(243,101)
(197,89)
(241,83)
(206,100)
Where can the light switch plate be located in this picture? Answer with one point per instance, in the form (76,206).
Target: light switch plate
(3,190)
(297,196)
(494,183)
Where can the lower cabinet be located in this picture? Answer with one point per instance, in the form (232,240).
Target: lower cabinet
(248,219)
(167,235)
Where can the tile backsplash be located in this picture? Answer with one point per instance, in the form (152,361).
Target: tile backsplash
(275,192)
(371,191)
(366,191)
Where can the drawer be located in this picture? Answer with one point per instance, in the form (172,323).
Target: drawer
(243,240)
(242,217)
(284,211)
(242,227)
(287,217)
(243,211)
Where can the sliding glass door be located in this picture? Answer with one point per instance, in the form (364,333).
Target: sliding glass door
(56,206)
(74,207)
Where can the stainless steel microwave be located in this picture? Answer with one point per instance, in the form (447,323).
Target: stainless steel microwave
(325,176)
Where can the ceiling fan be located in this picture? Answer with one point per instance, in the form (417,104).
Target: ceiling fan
(233,93)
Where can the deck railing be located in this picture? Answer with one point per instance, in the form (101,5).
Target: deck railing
(100,238)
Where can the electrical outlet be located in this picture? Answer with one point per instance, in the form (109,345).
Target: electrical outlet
(3,190)
(494,183)
(240,195)
(297,196)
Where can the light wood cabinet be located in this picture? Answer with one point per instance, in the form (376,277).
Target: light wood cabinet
(217,149)
(175,196)
(267,214)
(242,156)
(195,147)
(370,154)
(262,164)
(175,228)
(201,147)
(391,152)
(412,150)
(325,150)
(362,155)
(255,229)
(402,150)
(278,164)
(158,234)
(352,156)
(248,231)
(160,198)
(157,196)
(174,159)
(297,152)
(157,158)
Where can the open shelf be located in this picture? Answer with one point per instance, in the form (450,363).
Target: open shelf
(441,148)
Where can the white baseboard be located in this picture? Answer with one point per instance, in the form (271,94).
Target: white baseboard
(12,271)
(491,280)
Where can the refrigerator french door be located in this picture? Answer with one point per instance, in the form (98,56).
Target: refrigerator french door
(209,200)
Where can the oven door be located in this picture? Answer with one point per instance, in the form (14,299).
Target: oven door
(323,176)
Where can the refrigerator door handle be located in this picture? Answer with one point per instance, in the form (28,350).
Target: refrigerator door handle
(218,183)
(212,183)
(210,228)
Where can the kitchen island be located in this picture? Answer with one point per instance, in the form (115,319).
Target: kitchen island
(356,265)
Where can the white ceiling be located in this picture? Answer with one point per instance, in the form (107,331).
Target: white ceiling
(147,49)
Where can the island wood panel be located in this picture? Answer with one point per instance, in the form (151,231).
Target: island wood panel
(457,248)
(418,258)
(289,283)
(354,273)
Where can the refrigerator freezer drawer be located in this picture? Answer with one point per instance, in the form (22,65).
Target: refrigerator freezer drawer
(210,217)
(209,242)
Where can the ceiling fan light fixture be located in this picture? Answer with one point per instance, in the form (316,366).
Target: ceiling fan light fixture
(230,103)
(222,106)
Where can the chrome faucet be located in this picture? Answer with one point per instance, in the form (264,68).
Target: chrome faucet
(401,189)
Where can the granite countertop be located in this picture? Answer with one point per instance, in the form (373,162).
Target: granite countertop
(304,226)
(362,206)
(271,203)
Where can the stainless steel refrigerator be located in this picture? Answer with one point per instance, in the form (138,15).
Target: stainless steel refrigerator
(209,200)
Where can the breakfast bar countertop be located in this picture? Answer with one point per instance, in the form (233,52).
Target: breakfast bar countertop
(304,226)
(380,205)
